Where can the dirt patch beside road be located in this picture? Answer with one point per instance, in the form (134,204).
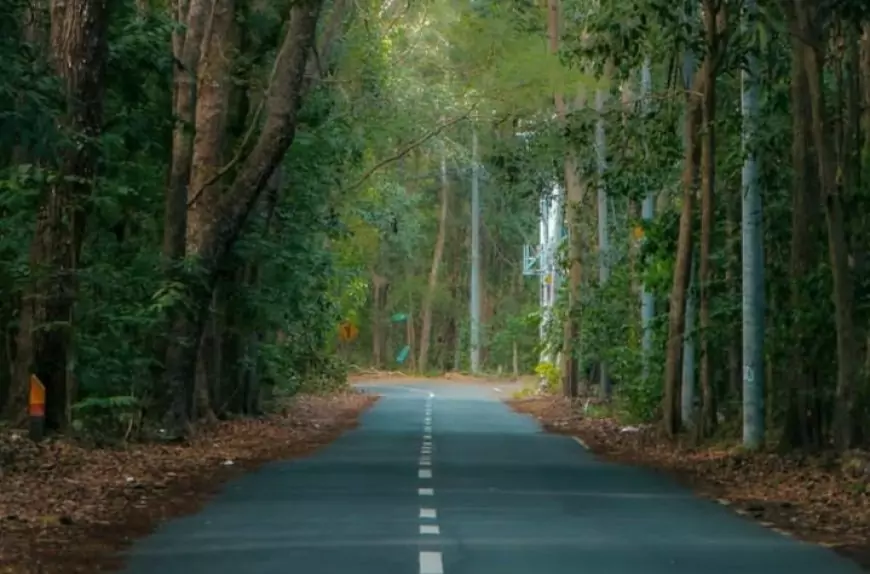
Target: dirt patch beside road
(66,508)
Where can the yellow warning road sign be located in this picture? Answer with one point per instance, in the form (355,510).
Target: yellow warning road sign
(347,331)
(638,232)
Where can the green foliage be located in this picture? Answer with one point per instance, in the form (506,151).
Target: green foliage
(106,419)
(551,374)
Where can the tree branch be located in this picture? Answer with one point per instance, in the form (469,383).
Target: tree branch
(332,29)
(407,149)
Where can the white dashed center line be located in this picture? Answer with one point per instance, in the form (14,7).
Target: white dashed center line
(430,563)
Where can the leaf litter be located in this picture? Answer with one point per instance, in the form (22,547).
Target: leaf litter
(821,497)
(67,508)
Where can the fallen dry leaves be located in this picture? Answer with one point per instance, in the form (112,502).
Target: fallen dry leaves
(65,508)
(819,497)
(363,375)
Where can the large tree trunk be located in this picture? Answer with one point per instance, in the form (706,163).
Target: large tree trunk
(799,411)
(186,43)
(426,327)
(708,184)
(244,385)
(571,332)
(865,75)
(78,50)
(208,365)
(214,87)
(279,127)
(677,310)
(865,152)
(573,198)
(847,355)
(190,18)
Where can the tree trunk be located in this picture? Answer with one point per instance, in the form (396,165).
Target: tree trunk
(865,76)
(708,183)
(573,198)
(677,310)
(78,42)
(214,86)
(208,365)
(279,127)
(379,295)
(186,50)
(426,327)
(189,17)
(798,409)
(411,335)
(847,355)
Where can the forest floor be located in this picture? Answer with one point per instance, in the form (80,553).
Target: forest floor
(67,508)
(821,498)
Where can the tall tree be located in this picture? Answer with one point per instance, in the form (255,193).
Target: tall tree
(437,256)
(281,110)
(78,47)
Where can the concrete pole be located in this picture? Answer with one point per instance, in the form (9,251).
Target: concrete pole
(475,256)
(647,301)
(753,262)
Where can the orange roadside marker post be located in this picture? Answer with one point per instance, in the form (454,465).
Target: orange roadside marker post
(36,408)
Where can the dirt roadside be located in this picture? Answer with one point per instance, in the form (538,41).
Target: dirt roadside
(65,508)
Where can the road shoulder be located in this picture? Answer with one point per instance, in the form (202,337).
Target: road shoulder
(67,508)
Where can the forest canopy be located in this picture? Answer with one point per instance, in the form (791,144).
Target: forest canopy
(207,203)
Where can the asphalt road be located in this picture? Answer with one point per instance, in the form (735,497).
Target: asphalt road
(443,478)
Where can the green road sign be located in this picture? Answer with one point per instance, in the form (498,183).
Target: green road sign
(403,354)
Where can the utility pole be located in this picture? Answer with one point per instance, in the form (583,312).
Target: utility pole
(475,255)
(753,258)
(647,301)
(603,235)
